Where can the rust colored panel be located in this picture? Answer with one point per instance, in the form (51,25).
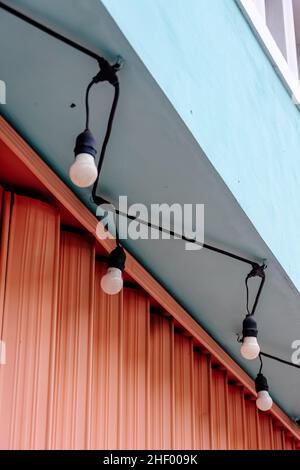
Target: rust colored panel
(202,390)
(219,401)
(278,437)
(28,325)
(107,350)
(135,374)
(184,427)
(288,442)
(72,380)
(252,426)
(161,382)
(266,431)
(236,418)
(5,207)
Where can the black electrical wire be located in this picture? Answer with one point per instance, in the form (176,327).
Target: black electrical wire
(27,19)
(278,359)
(98,200)
(247,296)
(257,270)
(87,107)
(261,363)
(106,137)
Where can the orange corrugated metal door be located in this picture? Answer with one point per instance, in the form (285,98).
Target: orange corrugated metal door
(252,426)
(135,373)
(107,366)
(202,396)
(266,427)
(161,382)
(71,398)
(219,401)
(184,426)
(87,371)
(5,206)
(29,316)
(236,417)
(289,443)
(278,438)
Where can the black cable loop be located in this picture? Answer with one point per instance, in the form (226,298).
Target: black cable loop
(87,106)
(106,138)
(247,296)
(278,359)
(261,363)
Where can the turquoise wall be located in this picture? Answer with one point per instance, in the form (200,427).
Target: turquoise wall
(209,64)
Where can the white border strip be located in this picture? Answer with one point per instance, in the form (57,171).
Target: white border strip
(269,45)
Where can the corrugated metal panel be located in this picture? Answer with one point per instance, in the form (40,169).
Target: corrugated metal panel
(266,426)
(134,411)
(161,382)
(202,396)
(107,366)
(288,442)
(236,417)
(252,426)
(5,206)
(74,340)
(86,370)
(278,438)
(184,426)
(28,323)
(219,401)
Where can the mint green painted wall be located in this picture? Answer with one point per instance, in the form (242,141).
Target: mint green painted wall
(209,64)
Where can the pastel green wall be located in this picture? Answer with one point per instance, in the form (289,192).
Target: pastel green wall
(208,62)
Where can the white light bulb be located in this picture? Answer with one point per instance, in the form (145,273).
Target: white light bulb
(250,348)
(264,402)
(112,281)
(83,172)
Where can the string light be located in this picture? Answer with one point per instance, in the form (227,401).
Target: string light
(264,401)
(112,281)
(250,348)
(83,172)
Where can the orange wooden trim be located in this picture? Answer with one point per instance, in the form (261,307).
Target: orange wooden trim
(5,225)
(63,194)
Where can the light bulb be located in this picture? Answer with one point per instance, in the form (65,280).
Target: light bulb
(264,402)
(250,348)
(112,281)
(83,172)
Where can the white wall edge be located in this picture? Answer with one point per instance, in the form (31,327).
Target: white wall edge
(269,45)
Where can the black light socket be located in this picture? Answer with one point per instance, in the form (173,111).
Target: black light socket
(250,327)
(117,258)
(261,383)
(86,143)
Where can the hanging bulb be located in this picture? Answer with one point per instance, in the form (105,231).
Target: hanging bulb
(263,402)
(83,172)
(112,281)
(250,348)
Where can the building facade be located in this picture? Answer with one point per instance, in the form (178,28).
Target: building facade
(208,113)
